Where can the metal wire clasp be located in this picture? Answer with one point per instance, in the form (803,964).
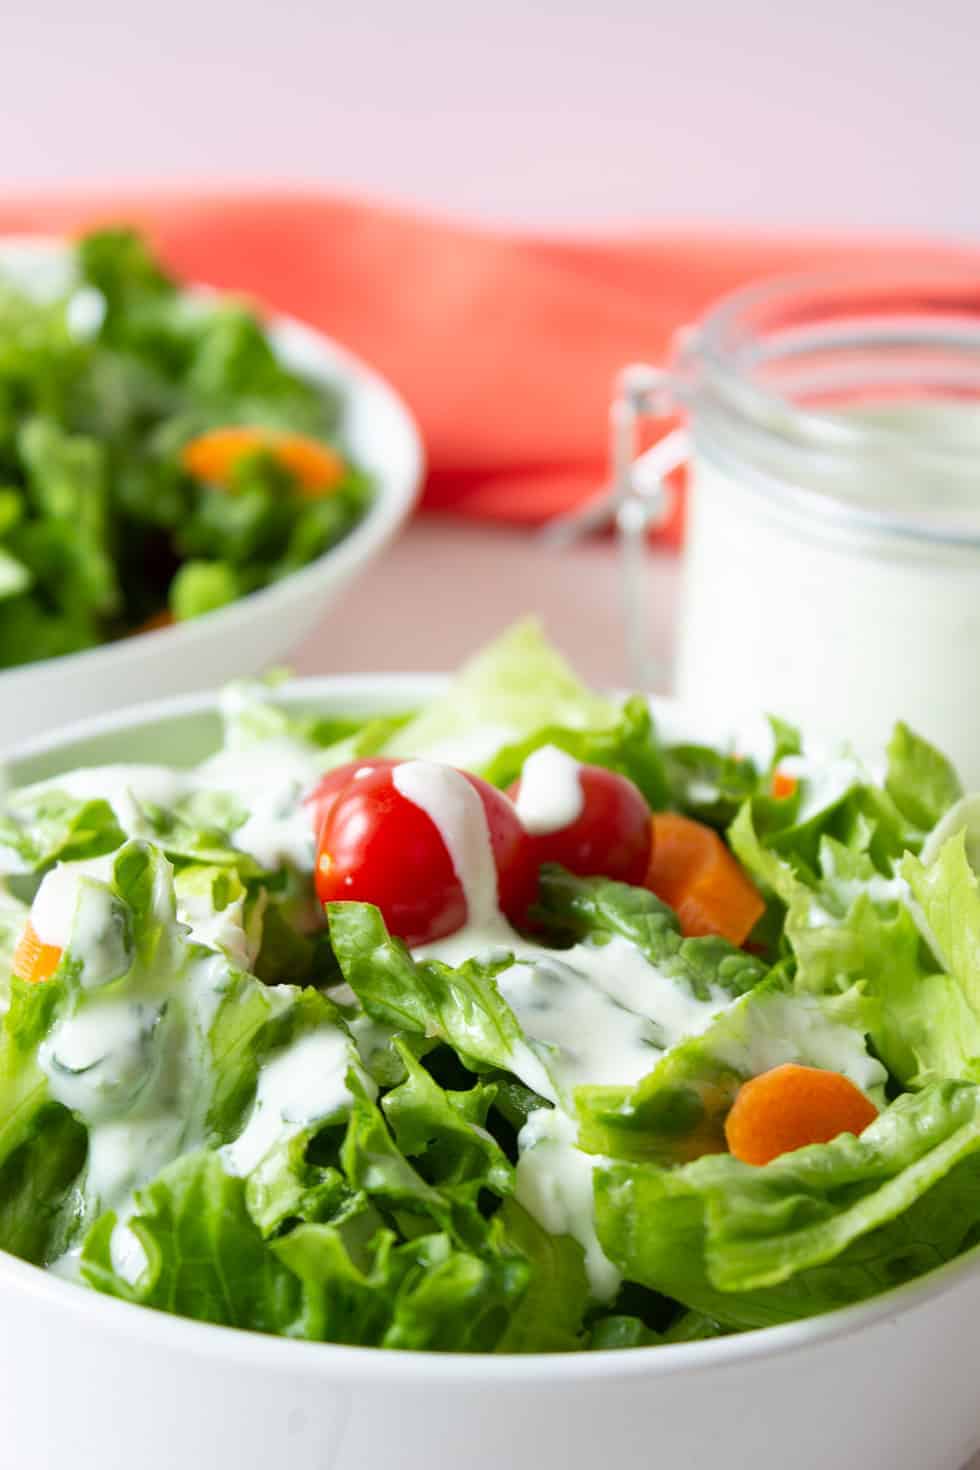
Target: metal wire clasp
(637,499)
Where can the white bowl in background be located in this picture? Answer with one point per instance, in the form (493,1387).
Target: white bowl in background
(97,1384)
(377,429)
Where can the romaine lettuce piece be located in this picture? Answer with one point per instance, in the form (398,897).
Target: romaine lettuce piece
(812,1230)
(920,780)
(193,1246)
(194,1250)
(514,687)
(549,1317)
(39,1186)
(630,746)
(41,825)
(461,1006)
(13,915)
(423,1294)
(599,909)
(677,1112)
(850,925)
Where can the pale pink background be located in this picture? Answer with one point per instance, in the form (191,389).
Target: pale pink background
(838,115)
(827,114)
(842,113)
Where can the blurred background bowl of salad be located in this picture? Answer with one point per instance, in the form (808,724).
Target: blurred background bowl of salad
(125,572)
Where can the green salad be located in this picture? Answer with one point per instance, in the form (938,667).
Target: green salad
(505,1025)
(157,460)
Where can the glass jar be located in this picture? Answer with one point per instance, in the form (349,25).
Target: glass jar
(832,569)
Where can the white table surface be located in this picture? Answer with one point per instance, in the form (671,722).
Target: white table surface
(448,586)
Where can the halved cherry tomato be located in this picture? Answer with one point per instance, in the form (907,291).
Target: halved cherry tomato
(378,846)
(610,838)
(321,799)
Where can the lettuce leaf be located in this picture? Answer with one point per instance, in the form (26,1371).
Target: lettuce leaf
(460,1006)
(13,915)
(422,1294)
(513,688)
(204,1256)
(348,1281)
(920,780)
(42,1148)
(549,1317)
(40,826)
(629,746)
(598,909)
(619,1331)
(677,1112)
(848,925)
(813,1230)
(445,1133)
(38,1186)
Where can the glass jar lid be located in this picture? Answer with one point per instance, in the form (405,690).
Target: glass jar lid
(852,399)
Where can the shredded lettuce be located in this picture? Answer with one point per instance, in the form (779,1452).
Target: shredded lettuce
(101,528)
(813,1230)
(228,1104)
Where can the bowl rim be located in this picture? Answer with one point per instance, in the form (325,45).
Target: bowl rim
(352,1364)
(392,504)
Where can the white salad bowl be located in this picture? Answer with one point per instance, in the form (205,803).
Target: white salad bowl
(97,1384)
(381,435)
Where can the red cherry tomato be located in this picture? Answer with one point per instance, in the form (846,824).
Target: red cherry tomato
(322,797)
(377,846)
(610,838)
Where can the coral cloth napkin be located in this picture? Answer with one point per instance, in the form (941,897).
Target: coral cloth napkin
(504,344)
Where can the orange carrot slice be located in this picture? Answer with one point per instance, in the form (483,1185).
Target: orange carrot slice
(212,457)
(33,960)
(162,619)
(783,786)
(693,871)
(790,1107)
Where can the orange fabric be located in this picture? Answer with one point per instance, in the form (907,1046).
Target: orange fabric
(504,344)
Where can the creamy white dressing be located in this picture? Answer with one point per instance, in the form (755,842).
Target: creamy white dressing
(127,1064)
(112,1062)
(593,1014)
(455,809)
(223,929)
(554,1184)
(98,1059)
(132,1067)
(837,630)
(601,1013)
(271,780)
(304,1084)
(789,1027)
(129,1259)
(268,780)
(127,788)
(827,781)
(550,795)
(53,909)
